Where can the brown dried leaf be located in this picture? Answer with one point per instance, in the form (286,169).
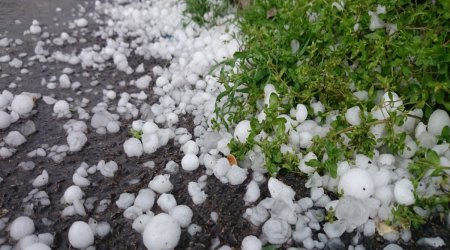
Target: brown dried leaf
(232,160)
(271,13)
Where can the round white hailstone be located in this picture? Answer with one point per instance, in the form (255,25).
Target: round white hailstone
(190,162)
(353,210)
(161,184)
(384,194)
(335,229)
(236,175)
(143,82)
(162,233)
(251,242)
(304,167)
(409,150)
(276,231)
(133,147)
(438,120)
(3,101)
(166,202)
(125,200)
(73,193)
(41,180)
(279,190)
(391,103)
(5,120)
(102,229)
(21,227)
(353,115)
(61,107)
(64,81)
(242,131)
(150,128)
(22,104)
(190,147)
(382,177)
(182,214)
(81,22)
(76,141)
(145,199)
(221,167)
(81,235)
(363,161)
(37,246)
(301,113)
(403,192)
(113,127)
(15,139)
(150,143)
(141,221)
(253,192)
(358,183)
(305,139)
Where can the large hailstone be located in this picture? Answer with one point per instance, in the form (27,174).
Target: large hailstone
(162,233)
(438,120)
(353,115)
(5,120)
(190,162)
(133,147)
(242,131)
(403,192)
(352,210)
(301,113)
(21,227)
(276,231)
(22,104)
(358,183)
(81,235)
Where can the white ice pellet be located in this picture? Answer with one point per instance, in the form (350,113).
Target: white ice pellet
(195,191)
(236,175)
(251,243)
(182,214)
(133,147)
(353,115)
(21,227)
(125,200)
(161,184)
(81,235)
(438,120)
(14,139)
(404,192)
(5,120)
(72,194)
(279,190)
(166,202)
(41,180)
(190,162)
(253,192)
(276,231)
(242,131)
(143,82)
(145,199)
(358,183)
(161,233)
(76,141)
(64,81)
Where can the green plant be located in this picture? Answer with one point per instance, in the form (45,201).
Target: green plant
(136,133)
(197,10)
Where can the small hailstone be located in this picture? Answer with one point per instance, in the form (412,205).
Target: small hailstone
(21,227)
(438,120)
(182,214)
(251,242)
(80,180)
(301,113)
(409,150)
(14,139)
(143,82)
(150,143)
(195,191)
(133,147)
(64,81)
(353,115)
(403,192)
(190,147)
(253,192)
(76,141)
(145,199)
(369,228)
(242,131)
(125,200)
(166,202)
(80,235)
(161,233)
(108,169)
(81,22)
(73,193)
(113,127)
(358,183)
(279,190)
(61,108)
(161,184)
(433,242)
(5,120)
(35,28)
(141,221)
(190,162)
(276,231)
(236,175)
(392,246)
(41,180)
(353,210)
(22,104)
(132,212)
(335,229)
(102,229)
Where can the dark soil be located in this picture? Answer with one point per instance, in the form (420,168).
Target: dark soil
(226,200)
